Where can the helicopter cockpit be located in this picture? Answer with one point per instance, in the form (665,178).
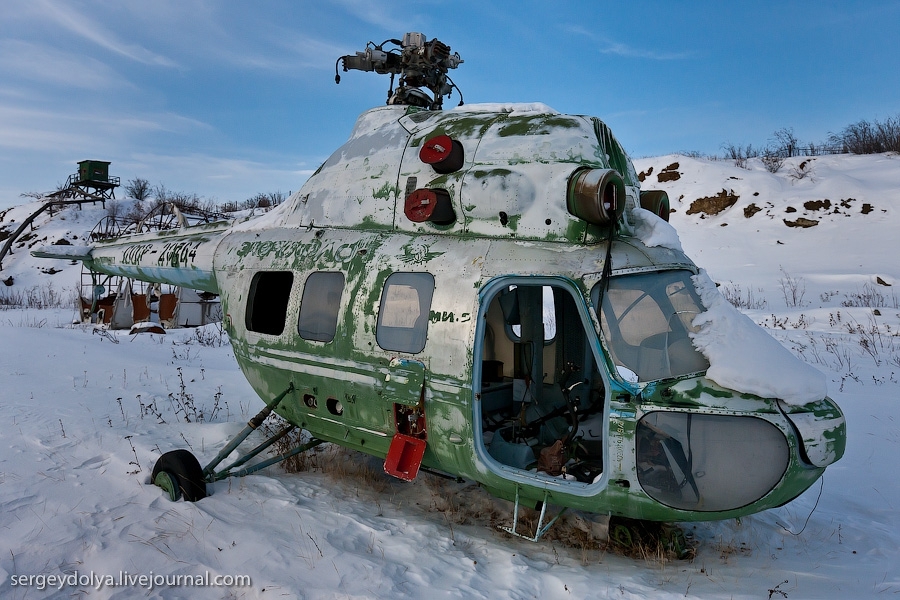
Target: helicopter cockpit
(647,321)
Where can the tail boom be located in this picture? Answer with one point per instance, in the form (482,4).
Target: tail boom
(181,257)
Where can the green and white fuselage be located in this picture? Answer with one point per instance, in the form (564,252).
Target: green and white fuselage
(491,334)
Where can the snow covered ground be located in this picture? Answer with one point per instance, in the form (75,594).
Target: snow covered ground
(86,415)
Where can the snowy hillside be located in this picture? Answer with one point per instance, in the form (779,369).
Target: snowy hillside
(809,252)
(829,219)
(71,226)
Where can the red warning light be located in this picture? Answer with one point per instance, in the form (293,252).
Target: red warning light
(420,205)
(432,205)
(444,154)
(436,150)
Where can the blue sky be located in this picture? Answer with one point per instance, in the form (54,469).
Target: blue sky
(227,99)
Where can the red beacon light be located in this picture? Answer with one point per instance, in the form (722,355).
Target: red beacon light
(444,154)
(433,205)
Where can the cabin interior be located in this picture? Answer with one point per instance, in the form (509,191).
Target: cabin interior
(542,397)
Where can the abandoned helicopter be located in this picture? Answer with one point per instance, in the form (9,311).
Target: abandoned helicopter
(463,291)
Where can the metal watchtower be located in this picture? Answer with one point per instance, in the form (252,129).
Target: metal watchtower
(91,183)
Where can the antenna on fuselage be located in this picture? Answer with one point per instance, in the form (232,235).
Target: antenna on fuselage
(419,63)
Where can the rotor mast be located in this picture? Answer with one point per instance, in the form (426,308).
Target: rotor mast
(419,63)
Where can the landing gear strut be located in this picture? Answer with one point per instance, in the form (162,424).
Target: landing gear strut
(178,472)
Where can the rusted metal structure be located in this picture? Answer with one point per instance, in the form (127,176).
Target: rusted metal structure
(121,302)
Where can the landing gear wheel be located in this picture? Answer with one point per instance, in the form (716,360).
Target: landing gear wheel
(634,537)
(623,536)
(179,473)
(675,541)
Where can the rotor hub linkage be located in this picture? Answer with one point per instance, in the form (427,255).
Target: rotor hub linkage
(419,63)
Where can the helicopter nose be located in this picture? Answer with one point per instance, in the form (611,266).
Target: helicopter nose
(821,428)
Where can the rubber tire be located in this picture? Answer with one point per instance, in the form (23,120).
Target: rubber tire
(184,468)
(674,540)
(621,535)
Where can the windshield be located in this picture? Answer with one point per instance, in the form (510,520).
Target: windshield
(646,319)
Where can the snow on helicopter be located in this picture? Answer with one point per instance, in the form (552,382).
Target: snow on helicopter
(486,292)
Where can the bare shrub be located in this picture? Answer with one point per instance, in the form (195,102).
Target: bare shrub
(212,336)
(772,160)
(187,408)
(38,296)
(136,213)
(113,209)
(786,142)
(735,295)
(867,137)
(740,154)
(870,297)
(257,201)
(139,189)
(802,171)
(299,463)
(793,289)
(261,200)
(878,345)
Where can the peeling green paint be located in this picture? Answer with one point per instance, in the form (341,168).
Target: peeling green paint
(415,253)
(461,127)
(370,223)
(386,192)
(535,124)
(487,173)
(700,389)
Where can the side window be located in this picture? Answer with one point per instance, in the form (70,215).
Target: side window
(268,300)
(404,311)
(319,306)
(545,303)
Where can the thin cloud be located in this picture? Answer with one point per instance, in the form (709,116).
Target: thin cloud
(219,167)
(219,177)
(40,63)
(373,13)
(314,53)
(289,54)
(88,29)
(45,130)
(607,46)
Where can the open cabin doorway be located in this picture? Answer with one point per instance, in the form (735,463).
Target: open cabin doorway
(543,400)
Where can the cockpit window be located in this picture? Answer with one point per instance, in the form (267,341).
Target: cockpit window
(646,319)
